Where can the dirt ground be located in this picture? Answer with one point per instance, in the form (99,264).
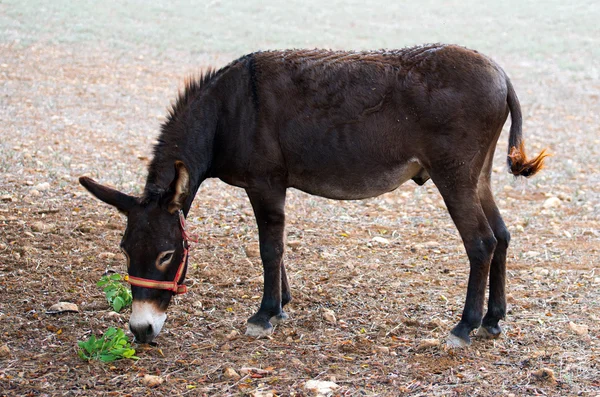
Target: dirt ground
(71,109)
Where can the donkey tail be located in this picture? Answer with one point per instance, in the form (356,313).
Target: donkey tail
(518,163)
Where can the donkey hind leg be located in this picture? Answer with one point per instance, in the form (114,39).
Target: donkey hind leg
(286,297)
(268,205)
(497,298)
(479,241)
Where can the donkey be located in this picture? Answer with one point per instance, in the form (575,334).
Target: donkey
(336,124)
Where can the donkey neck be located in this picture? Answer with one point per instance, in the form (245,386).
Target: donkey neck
(186,136)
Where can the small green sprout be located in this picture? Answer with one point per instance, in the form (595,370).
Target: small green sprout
(113,345)
(117,294)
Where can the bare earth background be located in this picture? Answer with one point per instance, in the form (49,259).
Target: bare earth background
(84,87)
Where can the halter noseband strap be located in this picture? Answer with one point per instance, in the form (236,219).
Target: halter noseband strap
(174,285)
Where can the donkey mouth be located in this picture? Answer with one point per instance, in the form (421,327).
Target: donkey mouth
(146,321)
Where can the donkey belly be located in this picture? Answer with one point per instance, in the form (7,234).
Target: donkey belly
(356,182)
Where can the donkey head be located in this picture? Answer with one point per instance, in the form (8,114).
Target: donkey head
(154,246)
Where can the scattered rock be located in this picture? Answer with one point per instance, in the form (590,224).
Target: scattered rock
(42,186)
(431,244)
(380,240)
(230,373)
(106,255)
(382,349)
(259,393)
(328,315)
(428,343)
(63,307)
(4,351)
(42,227)
(232,335)
(152,380)
(544,374)
(551,202)
(433,324)
(579,329)
(112,314)
(252,252)
(254,370)
(541,271)
(532,254)
(320,387)
(294,243)
(35,193)
(7,197)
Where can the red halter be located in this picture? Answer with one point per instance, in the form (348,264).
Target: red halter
(174,285)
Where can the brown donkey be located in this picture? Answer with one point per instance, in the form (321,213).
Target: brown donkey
(342,125)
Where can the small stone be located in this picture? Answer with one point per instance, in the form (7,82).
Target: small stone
(4,351)
(35,193)
(545,374)
(42,186)
(541,271)
(7,197)
(428,343)
(382,349)
(294,243)
(579,329)
(252,252)
(431,244)
(259,393)
(63,307)
(380,240)
(232,335)
(152,380)
(114,315)
(320,387)
(532,254)
(520,228)
(328,316)
(551,202)
(106,255)
(230,373)
(42,227)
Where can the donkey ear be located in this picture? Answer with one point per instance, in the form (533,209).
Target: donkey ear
(121,201)
(180,187)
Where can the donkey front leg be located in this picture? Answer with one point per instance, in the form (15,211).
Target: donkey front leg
(269,210)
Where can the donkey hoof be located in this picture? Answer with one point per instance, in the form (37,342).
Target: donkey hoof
(257,331)
(280,318)
(489,332)
(454,342)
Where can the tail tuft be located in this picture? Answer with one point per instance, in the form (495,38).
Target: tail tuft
(519,164)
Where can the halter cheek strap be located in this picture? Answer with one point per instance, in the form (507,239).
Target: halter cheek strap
(173,286)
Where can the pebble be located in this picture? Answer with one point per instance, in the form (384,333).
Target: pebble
(380,240)
(42,227)
(4,351)
(545,374)
(35,193)
(382,349)
(230,373)
(428,343)
(320,388)
(42,186)
(252,252)
(328,315)
(7,197)
(294,243)
(106,255)
(152,380)
(579,329)
(63,307)
(551,202)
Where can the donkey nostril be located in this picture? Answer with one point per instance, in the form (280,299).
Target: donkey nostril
(149,330)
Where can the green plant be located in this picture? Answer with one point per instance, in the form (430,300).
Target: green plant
(113,345)
(117,294)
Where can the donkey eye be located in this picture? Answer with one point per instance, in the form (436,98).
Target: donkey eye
(165,257)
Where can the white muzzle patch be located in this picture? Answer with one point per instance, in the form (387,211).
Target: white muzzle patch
(146,321)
